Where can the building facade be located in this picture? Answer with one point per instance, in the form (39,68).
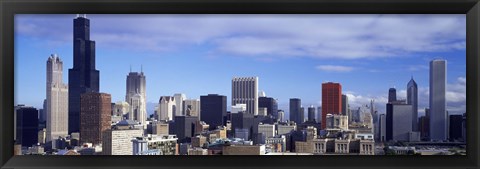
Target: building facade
(295,110)
(412,99)
(167,108)
(331,100)
(83,77)
(438,113)
(95,113)
(245,91)
(26,123)
(57,101)
(179,98)
(119,141)
(214,109)
(191,107)
(136,96)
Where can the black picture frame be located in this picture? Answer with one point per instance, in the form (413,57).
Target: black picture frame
(8,8)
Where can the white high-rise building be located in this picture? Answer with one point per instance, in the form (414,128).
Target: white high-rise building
(57,100)
(238,108)
(245,91)
(136,92)
(179,98)
(438,113)
(119,141)
(191,107)
(166,108)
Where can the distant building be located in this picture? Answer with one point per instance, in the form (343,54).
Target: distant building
(191,107)
(197,151)
(382,128)
(95,116)
(281,116)
(238,108)
(455,127)
(295,110)
(267,129)
(179,98)
(242,134)
(136,96)
(311,114)
(167,108)
(271,105)
(331,100)
(57,101)
(160,128)
(244,150)
(213,109)
(121,108)
(285,129)
(26,126)
(345,106)
(185,128)
(392,95)
(262,111)
(243,120)
(245,91)
(438,114)
(398,121)
(412,99)
(337,121)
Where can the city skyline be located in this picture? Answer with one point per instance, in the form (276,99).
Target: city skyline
(203,55)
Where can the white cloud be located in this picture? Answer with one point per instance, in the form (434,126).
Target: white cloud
(334,68)
(272,36)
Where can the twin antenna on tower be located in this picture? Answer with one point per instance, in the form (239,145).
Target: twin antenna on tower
(141,68)
(82,15)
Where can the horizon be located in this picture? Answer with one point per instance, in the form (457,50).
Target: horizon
(356,51)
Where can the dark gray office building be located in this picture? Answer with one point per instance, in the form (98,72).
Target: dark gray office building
(392,95)
(83,77)
(455,127)
(271,105)
(185,128)
(296,113)
(213,108)
(26,126)
(311,114)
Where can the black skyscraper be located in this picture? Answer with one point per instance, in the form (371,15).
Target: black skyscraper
(311,114)
(392,95)
(295,110)
(455,127)
(27,126)
(82,77)
(242,120)
(213,108)
(185,127)
(270,104)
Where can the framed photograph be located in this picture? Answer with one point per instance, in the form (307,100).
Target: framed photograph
(239,84)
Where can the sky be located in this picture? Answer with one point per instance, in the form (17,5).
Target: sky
(291,54)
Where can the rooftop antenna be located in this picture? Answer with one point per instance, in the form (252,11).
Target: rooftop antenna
(141,68)
(130,68)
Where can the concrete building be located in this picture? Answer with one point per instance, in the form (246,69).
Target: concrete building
(267,129)
(191,107)
(197,151)
(276,144)
(167,108)
(199,141)
(179,98)
(281,116)
(57,101)
(160,128)
(118,141)
(337,121)
(239,108)
(83,77)
(262,111)
(285,129)
(95,113)
(398,121)
(412,99)
(166,144)
(42,135)
(331,100)
(121,108)
(245,91)
(136,96)
(438,113)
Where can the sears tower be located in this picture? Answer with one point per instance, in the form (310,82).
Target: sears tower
(83,77)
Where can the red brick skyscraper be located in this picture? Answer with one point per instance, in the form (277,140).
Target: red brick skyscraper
(331,100)
(95,116)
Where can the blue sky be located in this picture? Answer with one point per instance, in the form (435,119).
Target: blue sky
(291,54)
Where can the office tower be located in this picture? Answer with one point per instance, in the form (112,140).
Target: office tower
(398,121)
(43,114)
(412,99)
(268,130)
(191,107)
(57,100)
(382,128)
(392,94)
(243,120)
(95,113)
(311,113)
(438,114)
(213,108)
(245,91)
(319,114)
(238,108)
(185,127)
(271,105)
(455,127)
(118,140)
(121,108)
(42,136)
(26,126)
(137,109)
(167,108)
(331,100)
(179,98)
(83,77)
(136,96)
(345,105)
(295,114)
